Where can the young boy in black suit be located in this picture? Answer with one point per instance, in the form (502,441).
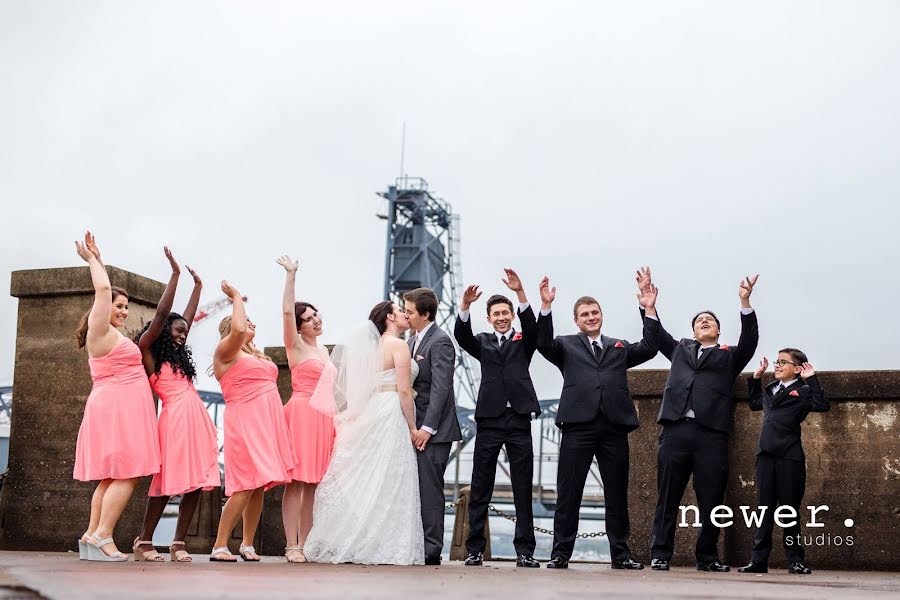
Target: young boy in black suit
(780,461)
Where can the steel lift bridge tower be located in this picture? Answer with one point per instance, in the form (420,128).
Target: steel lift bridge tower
(423,250)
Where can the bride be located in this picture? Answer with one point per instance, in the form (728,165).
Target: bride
(367,508)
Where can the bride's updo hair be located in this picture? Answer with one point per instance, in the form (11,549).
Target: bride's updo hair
(380,314)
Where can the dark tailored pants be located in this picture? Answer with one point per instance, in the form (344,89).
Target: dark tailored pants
(514,431)
(686,448)
(432,462)
(580,444)
(779,481)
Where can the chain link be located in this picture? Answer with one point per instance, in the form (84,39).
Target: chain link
(499,512)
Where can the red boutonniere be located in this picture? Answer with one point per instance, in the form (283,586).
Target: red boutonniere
(619,345)
(723,347)
(794,393)
(517,337)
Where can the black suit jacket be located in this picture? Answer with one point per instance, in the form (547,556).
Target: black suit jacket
(783,413)
(504,370)
(708,380)
(592,384)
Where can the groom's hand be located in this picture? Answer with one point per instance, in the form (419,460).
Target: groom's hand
(422,438)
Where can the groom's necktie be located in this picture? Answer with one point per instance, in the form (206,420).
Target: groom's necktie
(502,340)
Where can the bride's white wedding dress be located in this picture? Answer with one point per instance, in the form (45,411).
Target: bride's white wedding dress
(367,508)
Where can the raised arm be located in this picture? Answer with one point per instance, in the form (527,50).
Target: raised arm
(819,400)
(526,317)
(101,336)
(654,333)
(162,313)
(754,385)
(229,347)
(547,344)
(749,326)
(190,311)
(288,298)
(462,329)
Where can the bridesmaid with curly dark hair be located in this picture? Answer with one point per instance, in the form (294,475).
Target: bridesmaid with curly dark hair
(187,436)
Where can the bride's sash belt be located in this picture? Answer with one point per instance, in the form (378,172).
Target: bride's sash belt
(386,387)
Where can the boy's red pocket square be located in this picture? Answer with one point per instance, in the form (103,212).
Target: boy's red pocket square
(723,347)
(794,393)
(619,345)
(517,337)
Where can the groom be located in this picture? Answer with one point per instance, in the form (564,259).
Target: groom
(433,351)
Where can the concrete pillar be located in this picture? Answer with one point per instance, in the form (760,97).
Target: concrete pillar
(458,549)
(42,507)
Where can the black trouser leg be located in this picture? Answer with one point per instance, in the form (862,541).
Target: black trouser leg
(488,441)
(612,458)
(432,462)
(576,451)
(710,479)
(520,449)
(674,462)
(766,496)
(790,477)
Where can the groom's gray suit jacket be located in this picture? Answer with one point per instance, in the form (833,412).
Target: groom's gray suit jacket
(435,403)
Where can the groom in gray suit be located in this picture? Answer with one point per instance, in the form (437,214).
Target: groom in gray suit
(437,427)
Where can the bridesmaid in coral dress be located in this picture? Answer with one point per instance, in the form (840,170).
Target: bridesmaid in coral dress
(312,433)
(187,436)
(258,452)
(117,442)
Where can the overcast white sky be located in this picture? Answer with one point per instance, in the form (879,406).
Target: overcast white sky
(576,139)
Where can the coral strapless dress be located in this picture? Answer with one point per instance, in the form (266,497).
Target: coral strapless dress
(118,437)
(258,450)
(312,433)
(187,438)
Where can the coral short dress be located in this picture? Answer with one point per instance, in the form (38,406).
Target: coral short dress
(187,437)
(258,450)
(312,432)
(118,438)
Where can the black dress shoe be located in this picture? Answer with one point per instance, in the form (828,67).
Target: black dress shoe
(432,560)
(798,568)
(473,560)
(526,560)
(754,567)
(659,564)
(628,563)
(714,566)
(558,562)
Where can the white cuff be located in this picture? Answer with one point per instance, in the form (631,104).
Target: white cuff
(429,429)
(464,316)
(524,307)
(545,311)
(655,318)
(746,311)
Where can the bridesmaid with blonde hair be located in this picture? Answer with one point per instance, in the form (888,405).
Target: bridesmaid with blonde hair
(258,452)
(312,432)
(117,442)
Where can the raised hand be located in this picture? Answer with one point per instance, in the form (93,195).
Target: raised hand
(763,365)
(470,295)
(290,265)
(512,280)
(807,371)
(91,244)
(230,291)
(197,281)
(175,268)
(83,252)
(548,294)
(644,280)
(746,287)
(647,297)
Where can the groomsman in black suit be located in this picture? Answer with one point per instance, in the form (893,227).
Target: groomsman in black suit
(696,420)
(503,411)
(595,415)
(780,460)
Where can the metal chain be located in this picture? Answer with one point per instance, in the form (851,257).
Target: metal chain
(499,512)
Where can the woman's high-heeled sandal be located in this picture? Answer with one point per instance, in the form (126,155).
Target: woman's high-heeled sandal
(96,553)
(245,550)
(294,554)
(179,555)
(146,555)
(82,549)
